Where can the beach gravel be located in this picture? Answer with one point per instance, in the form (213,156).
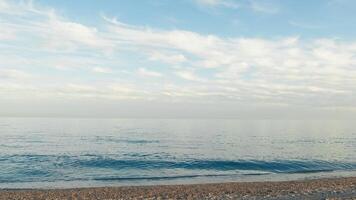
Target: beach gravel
(333,188)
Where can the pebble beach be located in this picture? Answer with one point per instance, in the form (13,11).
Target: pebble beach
(333,188)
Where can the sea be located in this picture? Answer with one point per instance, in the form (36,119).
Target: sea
(68,152)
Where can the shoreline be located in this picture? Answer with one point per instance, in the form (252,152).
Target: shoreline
(323,188)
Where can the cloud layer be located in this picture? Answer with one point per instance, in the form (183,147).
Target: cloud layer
(44,55)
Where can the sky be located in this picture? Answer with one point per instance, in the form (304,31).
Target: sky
(184,58)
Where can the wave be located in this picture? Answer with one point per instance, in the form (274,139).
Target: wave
(276,166)
(111,168)
(109,139)
(173,177)
(109,162)
(134,178)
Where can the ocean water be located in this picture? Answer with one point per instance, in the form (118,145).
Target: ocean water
(51,152)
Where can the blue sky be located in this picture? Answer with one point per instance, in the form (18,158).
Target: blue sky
(275,55)
(256,18)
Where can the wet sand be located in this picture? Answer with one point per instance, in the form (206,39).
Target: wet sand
(336,188)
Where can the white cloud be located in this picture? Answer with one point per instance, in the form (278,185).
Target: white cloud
(304,25)
(13,74)
(102,70)
(261,6)
(224,3)
(264,6)
(148,73)
(288,71)
(110,91)
(167,58)
(43,27)
(6,34)
(3,6)
(189,75)
(65,34)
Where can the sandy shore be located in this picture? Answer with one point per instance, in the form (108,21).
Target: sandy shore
(337,188)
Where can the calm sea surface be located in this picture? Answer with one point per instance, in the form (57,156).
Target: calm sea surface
(40,152)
